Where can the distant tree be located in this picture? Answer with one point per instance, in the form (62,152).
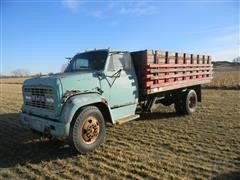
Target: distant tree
(20,72)
(236,60)
(38,74)
(51,73)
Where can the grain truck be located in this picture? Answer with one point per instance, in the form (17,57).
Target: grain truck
(106,86)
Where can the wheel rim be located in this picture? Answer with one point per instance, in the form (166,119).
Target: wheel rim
(90,130)
(192,101)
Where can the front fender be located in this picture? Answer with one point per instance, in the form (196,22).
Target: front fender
(71,106)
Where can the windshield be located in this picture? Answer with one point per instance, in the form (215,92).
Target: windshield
(90,61)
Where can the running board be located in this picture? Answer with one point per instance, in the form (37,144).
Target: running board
(127,119)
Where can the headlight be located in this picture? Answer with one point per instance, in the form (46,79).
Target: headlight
(29,98)
(49,100)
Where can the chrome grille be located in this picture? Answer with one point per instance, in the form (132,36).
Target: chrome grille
(38,97)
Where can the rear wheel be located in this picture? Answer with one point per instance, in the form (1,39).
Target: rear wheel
(190,102)
(178,105)
(186,103)
(88,130)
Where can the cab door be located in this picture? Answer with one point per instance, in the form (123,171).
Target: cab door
(121,80)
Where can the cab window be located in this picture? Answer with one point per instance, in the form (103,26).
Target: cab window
(119,61)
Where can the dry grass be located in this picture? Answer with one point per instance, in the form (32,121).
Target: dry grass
(225,79)
(159,145)
(12,80)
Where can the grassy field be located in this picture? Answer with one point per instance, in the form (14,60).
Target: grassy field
(225,78)
(159,145)
(12,80)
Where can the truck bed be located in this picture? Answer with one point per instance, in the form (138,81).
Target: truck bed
(159,71)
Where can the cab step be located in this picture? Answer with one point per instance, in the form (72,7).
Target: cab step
(127,119)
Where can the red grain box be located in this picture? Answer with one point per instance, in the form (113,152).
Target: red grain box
(171,57)
(193,59)
(209,60)
(179,58)
(187,60)
(156,64)
(160,57)
(161,81)
(200,59)
(204,59)
(149,56)
(204,62)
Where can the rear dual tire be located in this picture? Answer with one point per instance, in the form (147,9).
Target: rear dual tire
(186,102)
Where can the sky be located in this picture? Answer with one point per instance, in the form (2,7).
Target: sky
(38,35)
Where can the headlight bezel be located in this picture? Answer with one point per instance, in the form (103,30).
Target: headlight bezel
(49,100)
(28,97)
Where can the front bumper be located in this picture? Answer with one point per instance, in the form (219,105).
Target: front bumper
(44,125)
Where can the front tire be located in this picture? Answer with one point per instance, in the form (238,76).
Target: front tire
(88,131)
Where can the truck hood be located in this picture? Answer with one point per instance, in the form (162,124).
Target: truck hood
(81,81)
(60,83)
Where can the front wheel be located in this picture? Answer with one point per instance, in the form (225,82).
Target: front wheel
(88,130)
